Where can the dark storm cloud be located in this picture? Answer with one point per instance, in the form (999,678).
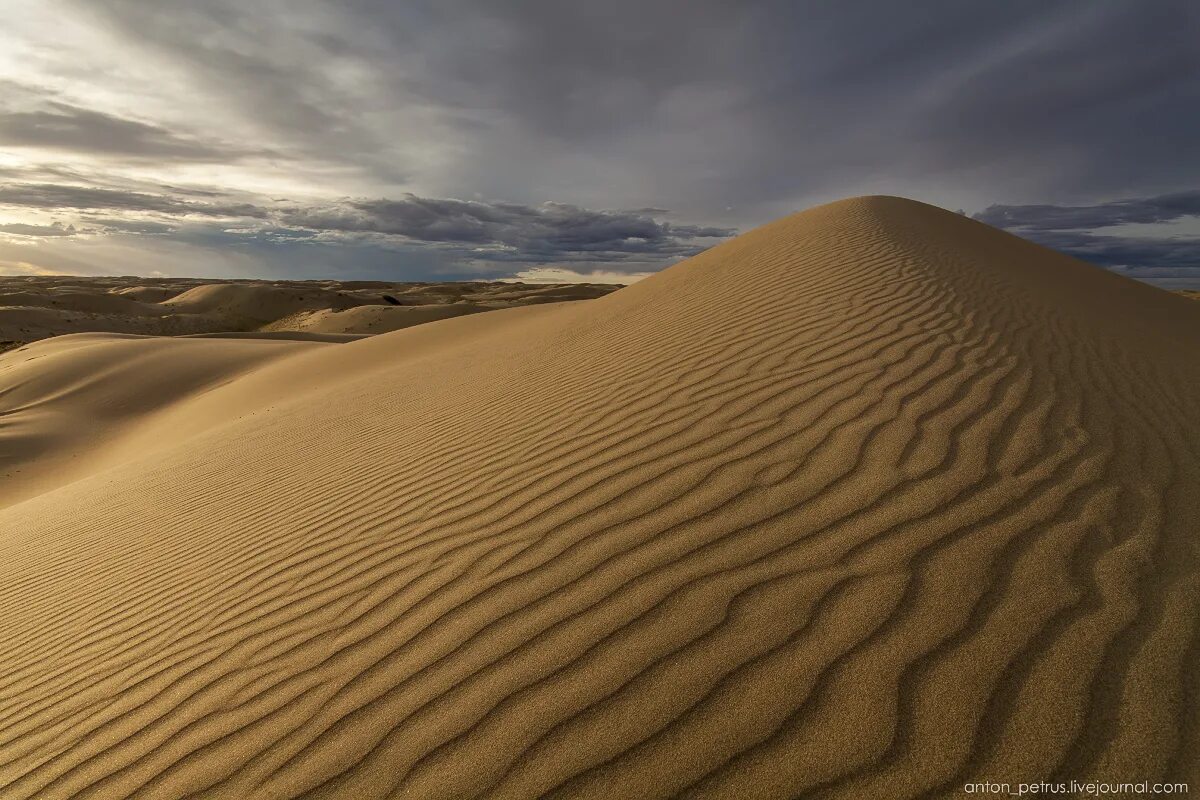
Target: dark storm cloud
(65,127)
(1176,256)
(532,233)
(1071,229)
(475,231)
(1163,208)
(89,198)
(1097,98)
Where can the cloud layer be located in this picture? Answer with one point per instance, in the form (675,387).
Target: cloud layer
(480,238)
(500,131)
(1145,210)
(1169,259)
(507,231)
(61,126)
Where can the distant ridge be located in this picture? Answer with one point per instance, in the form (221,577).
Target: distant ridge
(39,307)
(872,501)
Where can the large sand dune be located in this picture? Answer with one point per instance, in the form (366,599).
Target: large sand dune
(872,501)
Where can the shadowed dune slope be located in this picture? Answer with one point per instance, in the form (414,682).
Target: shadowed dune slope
(82,302)
(149,294)
(66,403)
(257,303)
(869,502)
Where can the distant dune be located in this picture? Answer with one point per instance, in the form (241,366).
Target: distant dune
(373,319)
(871,502)
(34,308)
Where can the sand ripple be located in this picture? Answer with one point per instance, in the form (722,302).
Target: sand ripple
(869,502)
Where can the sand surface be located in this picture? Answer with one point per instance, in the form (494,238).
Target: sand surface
(870,502)
(38,307)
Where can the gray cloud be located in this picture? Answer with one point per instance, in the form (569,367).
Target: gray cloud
(294,72)
(133,226)
(57,196)
(760,106)
(67,127)
(549,231)
(1146,210)
(21,229)
(1168,260)
(1175,257)
(471,231)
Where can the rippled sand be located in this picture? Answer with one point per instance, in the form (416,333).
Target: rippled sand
(869,502)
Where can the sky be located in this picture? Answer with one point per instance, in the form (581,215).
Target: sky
(557,139)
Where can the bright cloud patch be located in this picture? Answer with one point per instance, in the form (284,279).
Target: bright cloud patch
(564,275)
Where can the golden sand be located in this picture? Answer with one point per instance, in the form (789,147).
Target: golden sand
(873,501)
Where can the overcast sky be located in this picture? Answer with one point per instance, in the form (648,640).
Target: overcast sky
(482,138)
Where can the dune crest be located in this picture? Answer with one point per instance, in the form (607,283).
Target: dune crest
(872,501)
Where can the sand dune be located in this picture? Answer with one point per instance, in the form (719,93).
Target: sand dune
(81,302)
(259,304)
(34,308)
(373,319)
(869,502)
(148,294)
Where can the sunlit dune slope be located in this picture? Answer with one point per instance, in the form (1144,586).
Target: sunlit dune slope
(872,501)
(372,319)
